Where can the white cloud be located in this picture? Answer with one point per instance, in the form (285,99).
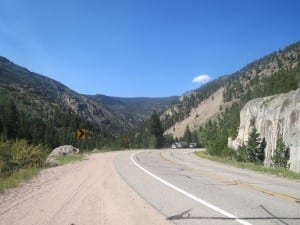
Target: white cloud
(201,79)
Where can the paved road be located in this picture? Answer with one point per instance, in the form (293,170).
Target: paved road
(188,190)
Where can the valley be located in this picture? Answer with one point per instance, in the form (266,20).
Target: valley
(149,112)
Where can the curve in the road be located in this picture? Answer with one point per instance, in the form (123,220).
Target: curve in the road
(185,193)
(236,182)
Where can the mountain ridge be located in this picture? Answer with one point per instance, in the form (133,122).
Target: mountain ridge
(45,93)
(237,88)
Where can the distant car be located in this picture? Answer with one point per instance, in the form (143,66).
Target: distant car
(180,144)
(192,145)
(174,145)
(184,144)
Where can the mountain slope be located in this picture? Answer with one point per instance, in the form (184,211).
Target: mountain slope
(199,115)
(45,95)
(253,80)
(134,110)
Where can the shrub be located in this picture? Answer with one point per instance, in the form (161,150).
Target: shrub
(15,155)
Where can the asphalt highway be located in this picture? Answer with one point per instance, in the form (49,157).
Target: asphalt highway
(188,190)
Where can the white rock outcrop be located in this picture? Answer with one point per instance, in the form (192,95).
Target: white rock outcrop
(274,116)
(63,150)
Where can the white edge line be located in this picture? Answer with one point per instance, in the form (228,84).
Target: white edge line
(207,204)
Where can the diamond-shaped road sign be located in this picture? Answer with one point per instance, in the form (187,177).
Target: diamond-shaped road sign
(80,133)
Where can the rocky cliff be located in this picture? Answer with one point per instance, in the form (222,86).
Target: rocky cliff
(274,116)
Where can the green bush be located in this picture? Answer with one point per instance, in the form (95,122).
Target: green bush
(16,155)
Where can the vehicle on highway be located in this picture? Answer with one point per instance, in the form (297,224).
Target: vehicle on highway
(181,144)
(193,145)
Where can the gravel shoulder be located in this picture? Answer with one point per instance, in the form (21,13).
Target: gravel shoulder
(84,193)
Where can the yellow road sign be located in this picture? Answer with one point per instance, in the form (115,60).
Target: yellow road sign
(80,133)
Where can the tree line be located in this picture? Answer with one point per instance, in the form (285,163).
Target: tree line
(18,121)
(27,136)
(215,133)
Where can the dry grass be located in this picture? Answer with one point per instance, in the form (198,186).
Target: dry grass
(279,171)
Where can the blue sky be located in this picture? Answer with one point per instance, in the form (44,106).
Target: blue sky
(152,48)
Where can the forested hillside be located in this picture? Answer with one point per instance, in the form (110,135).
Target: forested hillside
(134,110)
(276,73)
(38,114)
(180,110)
(238,84)
(43,111)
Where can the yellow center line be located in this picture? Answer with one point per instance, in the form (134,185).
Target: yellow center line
(230,181)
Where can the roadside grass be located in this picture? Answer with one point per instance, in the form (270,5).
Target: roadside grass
(16,178)
(71,159)
(23,175)
(278,171)
(106,149)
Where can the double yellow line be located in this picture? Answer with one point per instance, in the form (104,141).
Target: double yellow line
(230,181)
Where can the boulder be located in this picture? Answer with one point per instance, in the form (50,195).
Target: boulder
(274,116)
(61,151)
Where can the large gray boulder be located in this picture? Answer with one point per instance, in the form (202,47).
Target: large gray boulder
(274,116)
(61,151)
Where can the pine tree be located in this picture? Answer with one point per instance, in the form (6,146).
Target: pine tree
(195,137)
(280,156)
(207,137)
(252,145)
(187,135)
(10,120)
(260,155)
(156,130)
(241,154)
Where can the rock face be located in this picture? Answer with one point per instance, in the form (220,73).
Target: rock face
(274,116)
(63,150)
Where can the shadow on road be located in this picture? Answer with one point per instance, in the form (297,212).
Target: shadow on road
(187,216)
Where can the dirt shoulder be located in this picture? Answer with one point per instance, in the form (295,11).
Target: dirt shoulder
(84,193)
